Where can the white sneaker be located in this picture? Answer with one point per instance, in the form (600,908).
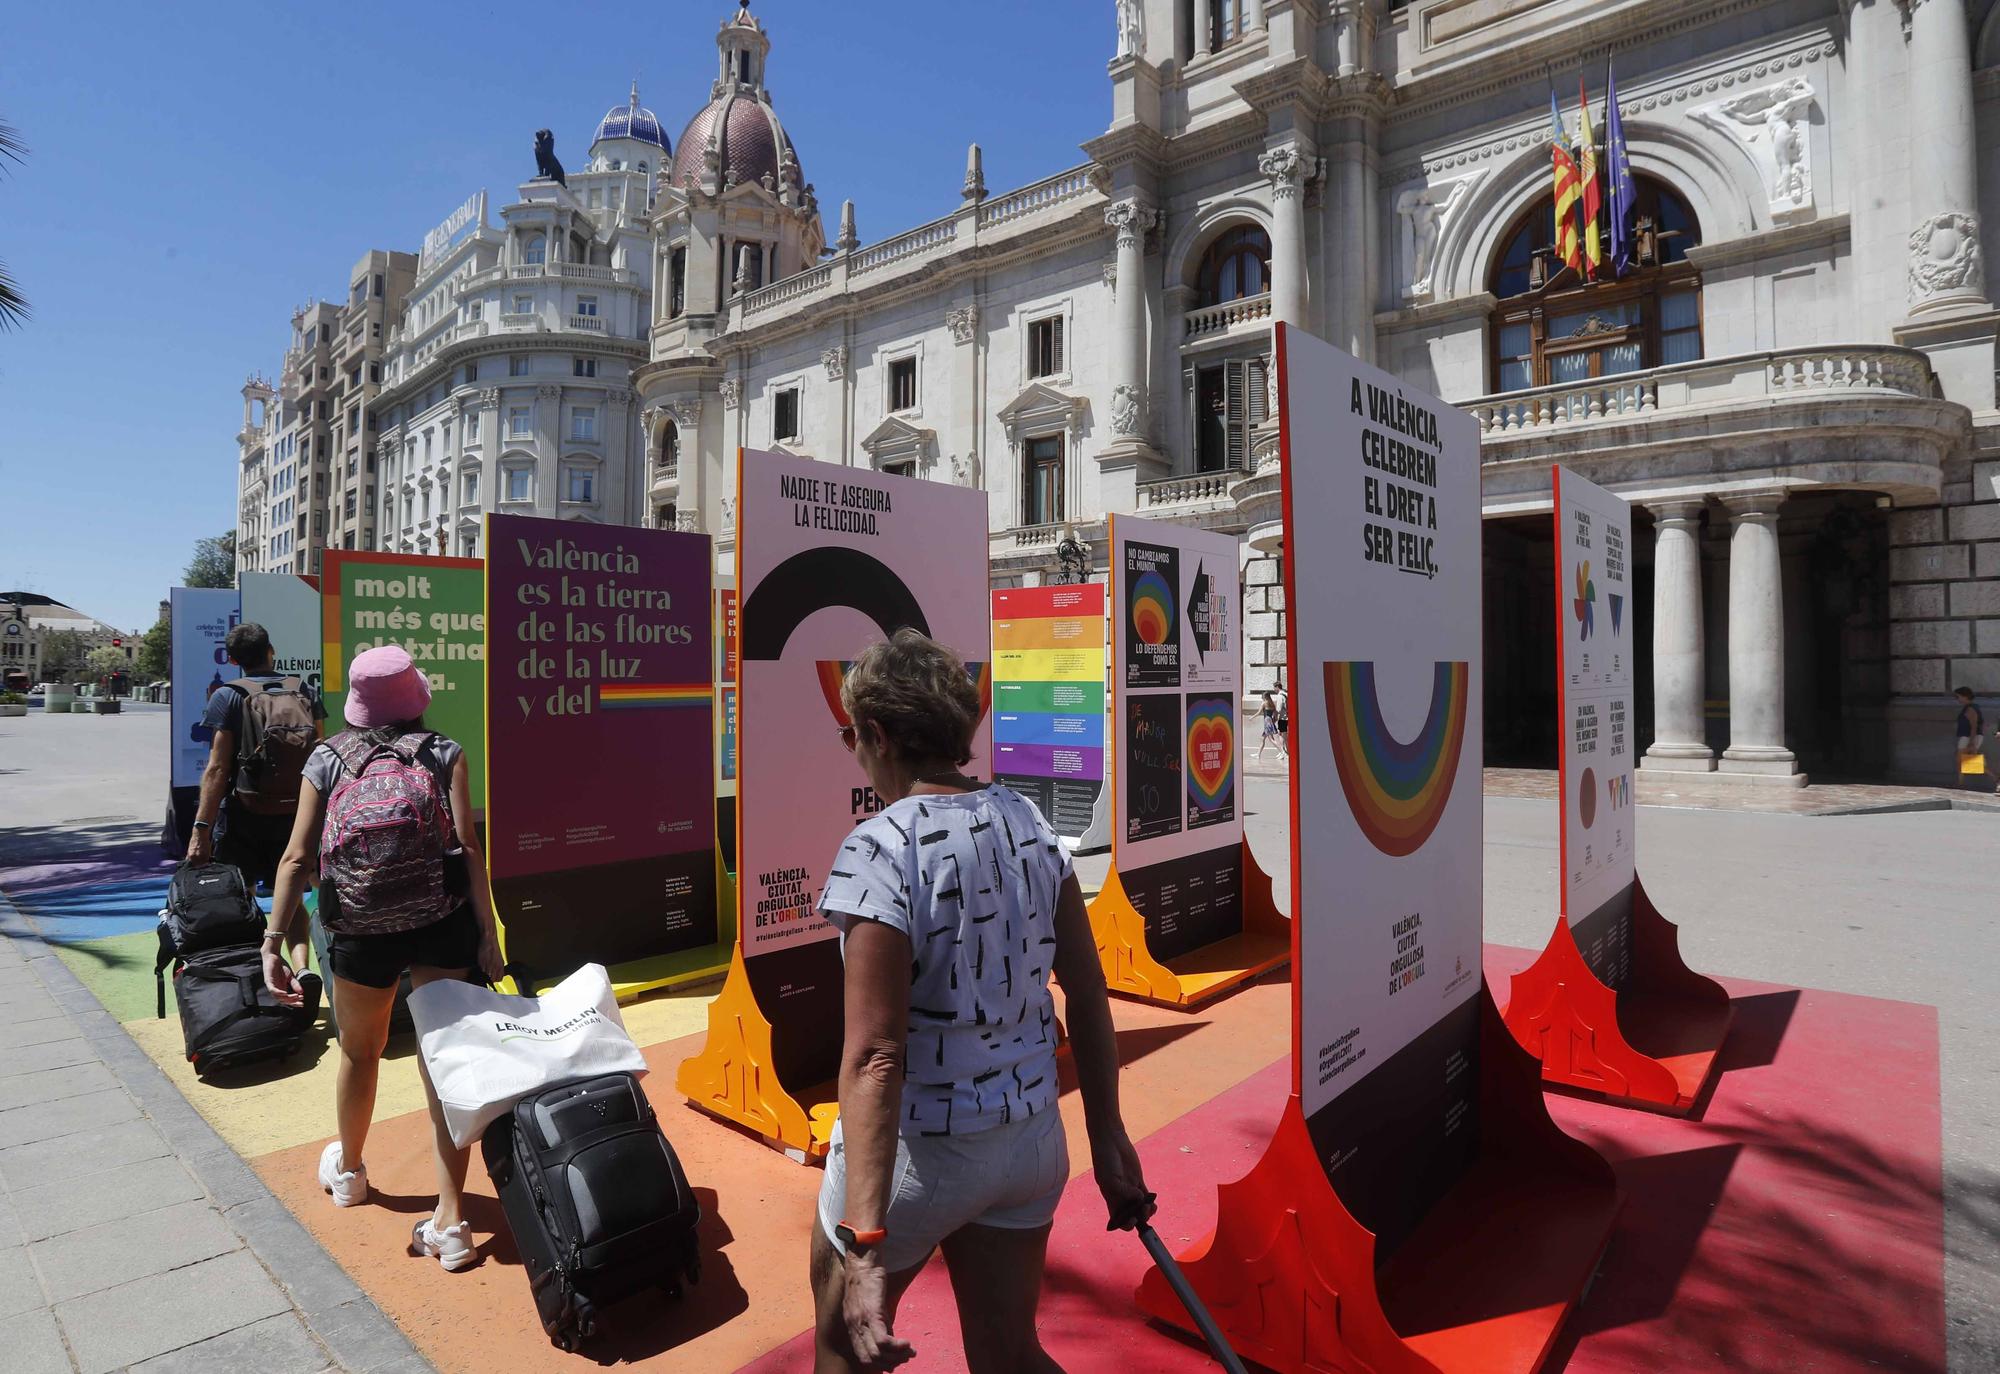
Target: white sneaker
(451,1245)
(349,1187)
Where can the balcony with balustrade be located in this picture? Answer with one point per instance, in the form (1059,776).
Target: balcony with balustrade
(994,223)
(1864,417)
(1247,316)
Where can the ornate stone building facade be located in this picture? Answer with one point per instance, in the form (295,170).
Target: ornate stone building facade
(489,371)
(1794,382)
(508,378)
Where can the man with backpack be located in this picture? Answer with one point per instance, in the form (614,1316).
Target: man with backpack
(265,725)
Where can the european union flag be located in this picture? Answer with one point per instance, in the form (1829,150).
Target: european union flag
(1624,191)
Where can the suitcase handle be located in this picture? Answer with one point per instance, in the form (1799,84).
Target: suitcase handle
(1210,1332)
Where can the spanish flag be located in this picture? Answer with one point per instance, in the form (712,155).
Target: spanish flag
(1567,189)
(1593,247)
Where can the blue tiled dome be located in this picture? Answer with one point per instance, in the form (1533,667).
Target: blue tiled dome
(632,120)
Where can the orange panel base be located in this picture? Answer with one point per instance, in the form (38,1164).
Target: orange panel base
(1201,975)
(732,1077)
(1651,1044)
(1481,1287)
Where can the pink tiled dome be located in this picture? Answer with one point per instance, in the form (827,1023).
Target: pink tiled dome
(752,141)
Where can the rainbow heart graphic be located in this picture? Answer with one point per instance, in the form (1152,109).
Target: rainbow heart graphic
(1586,599)
(1152,608)
(1211,753)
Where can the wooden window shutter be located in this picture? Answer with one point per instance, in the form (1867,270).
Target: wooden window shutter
(1056,346)
(1235,413)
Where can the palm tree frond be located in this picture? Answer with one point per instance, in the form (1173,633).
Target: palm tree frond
(12,146)
(13,305)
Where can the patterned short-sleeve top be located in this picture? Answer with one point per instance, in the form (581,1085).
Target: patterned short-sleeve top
(972,878)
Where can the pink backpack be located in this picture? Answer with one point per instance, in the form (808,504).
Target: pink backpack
(383,846)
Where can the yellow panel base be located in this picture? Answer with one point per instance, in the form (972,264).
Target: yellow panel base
(1201,975)
(733,1077)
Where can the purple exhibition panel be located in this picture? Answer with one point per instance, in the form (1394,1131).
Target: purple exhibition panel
(600,787)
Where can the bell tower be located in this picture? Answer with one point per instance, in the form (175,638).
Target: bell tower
(743,46)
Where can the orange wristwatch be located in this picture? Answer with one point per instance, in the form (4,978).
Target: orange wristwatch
(865,1240)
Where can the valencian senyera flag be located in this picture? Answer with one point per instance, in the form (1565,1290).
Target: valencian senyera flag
(1618,172)
(1568,188)
(1593,202)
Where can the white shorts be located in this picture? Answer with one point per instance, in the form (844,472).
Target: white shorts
(1011,1177)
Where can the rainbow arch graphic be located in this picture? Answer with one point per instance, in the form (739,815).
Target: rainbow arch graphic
(832,672)
(1396,789)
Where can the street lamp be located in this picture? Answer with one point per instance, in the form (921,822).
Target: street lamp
(1073,556)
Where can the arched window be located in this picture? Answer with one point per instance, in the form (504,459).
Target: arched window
(1552,326)
(670,450)
(1236,265)
(537,250)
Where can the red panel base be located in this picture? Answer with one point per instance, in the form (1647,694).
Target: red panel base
(1652,1044)
(1481,1287)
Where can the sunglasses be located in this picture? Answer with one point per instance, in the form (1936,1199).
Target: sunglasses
(849,736)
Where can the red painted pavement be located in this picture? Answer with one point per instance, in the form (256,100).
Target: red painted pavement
(1796,1224)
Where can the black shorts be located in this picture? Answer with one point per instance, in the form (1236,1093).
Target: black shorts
(380,961)
(253,843)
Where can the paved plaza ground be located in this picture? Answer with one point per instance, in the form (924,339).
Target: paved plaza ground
(1793,1227)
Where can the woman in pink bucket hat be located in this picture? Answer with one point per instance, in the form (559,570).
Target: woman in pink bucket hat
(387,808)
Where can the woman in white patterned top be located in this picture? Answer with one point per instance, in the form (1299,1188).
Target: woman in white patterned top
(955,905)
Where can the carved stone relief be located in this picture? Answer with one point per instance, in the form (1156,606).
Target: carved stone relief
(1423,213)
(1774,125)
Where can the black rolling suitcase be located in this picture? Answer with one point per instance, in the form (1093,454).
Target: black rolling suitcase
(228,1016)
(210,935)
(595,1198)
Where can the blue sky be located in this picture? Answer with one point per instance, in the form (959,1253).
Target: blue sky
(196,172)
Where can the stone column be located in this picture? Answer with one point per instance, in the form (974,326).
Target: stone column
(1253,15)
(548,450)
(1286,167)
(1131,219)
(1679,665)
(1204,30)
(1946,270)
(1757,642)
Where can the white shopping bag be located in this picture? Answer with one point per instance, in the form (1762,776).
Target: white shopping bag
(486,1050)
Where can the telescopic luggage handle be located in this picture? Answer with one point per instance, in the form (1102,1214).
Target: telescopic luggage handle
(1135,1216)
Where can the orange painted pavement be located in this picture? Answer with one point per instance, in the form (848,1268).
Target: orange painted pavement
(757,1207)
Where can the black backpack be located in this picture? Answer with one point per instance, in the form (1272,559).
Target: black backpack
(276,735)
(208,907)
(228,1015)
(595,1198)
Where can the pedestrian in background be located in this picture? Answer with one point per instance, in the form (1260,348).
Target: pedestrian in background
(1971,739)
(262,726)
(1270,732)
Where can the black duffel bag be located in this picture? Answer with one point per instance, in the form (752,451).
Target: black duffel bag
(228,1015)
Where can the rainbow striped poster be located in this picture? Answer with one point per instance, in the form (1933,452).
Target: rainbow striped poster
(1048,700)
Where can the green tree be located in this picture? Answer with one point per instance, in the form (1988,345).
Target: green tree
(13,305)
(214,562)
(156,652)
(63,655)
(105,661)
